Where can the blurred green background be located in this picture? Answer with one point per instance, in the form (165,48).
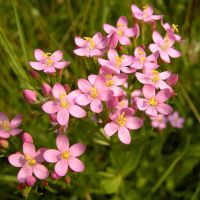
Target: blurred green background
(155,166)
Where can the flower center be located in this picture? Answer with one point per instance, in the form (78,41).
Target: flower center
(120,32)
(140,51)
(93,92)
(30,160)
(90,41)
(5,125)
(175,27)
(142,58)
(109,81)
(152,102)
(65,155)
(155,77)
(121,120)
(63,102)
(118,60)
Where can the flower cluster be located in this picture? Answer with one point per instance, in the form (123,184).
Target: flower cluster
(128,88)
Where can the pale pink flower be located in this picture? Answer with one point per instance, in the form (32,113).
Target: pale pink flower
(30,96)
(164,47)
(117,63)
(63,105)
(153,77)
(93,93)
(175,120)
(9,128)
(30,162)
(141,61)
(121,33)
(90,47)
(65,156)
(122,122)
(48,62)
(160,121)
(153,103)
(134,96)
(146,15)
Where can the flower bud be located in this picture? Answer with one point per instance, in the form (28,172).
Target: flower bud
(26,137)
(30,96)
(46,90)
(53,117)
(172,80)
(4,144)
(67,88)
(68,179)
(34,74)
(55,176)
(30,181)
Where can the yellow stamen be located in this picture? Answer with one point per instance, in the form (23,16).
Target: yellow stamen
(46,55)
(152,102)
(65,155)
(119,60)
(63,101)
(93,92)
(30,160)
(142,59)
(122,103)
(121,120)
(120,32)
(145,6)
(109,81)
(140,51)
(155,77)
(49,62)
(91,42)
(5,125)
(175,27)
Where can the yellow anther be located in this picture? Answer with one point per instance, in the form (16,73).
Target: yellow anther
(155,77)
(118,60)
(63,102)
(46,55)
(145,6)
(30,160)
(91,42)
(142,59)
(49,62)
(119,25)
(5,125)
(175,27)
(152,102)
(122,103)
(93,92)
(108,76)
(140,51)
(65,155)
(120,32)
(121,120)
(109,81)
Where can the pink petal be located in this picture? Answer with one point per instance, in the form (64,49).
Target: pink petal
(15,131)
(157,37)
(61,167)
(50,107)
(39,155)
(77,150)
(110,128)
(17,160)
(164,75)
(97,37)
(134,123)
(120,79)
(39,54)
(151,111)
(62,143)
(36,65)
(16,121)
(137,13)
(129,32)
(95,52)
(76,165)
(92,78)
(84,85)
(71,97)
(164,109)
(112,54)
(82,52)
(3,117)
(164,56)
(83,99)
(49,70)
(58,89)
(40,171)
(4,134)
(122,21)
(80,42)
(127,60)
(148,91)
(163,95)
(142,78)
(61,65)
(153,48)
(124,135)
(96,106)
(57,55)
(29,148)
(77,111)
(142,104)
(63,116)
(24,172)
(124,40)
(103,62)
(52,155)
(109,29)
(174,53)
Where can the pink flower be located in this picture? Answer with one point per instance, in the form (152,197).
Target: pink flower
(117,63)
(93,93)
(122,122)
(30,96)
(9,128)
(146,15)
(122,33)
(159,121)
(90,47)
(164,47)
(46,90)
(65,156)
(26,137)
(30,162)
(154,78)
(154,103)
(48,62)
(175,120)
(141,60)
(63,105)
